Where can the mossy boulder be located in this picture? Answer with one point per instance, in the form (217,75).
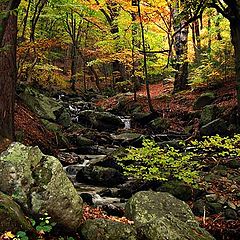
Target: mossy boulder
(208,114)
(51,126)
(178,189)
(39,184)
(64,119)
(159,125)
(11,216)
(43,106)
(104,229)
(204,100)
(159,215)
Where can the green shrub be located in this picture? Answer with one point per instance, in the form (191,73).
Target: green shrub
(152,162)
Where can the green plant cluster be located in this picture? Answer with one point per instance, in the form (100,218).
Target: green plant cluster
(217,146)
(43,226)
(152,162)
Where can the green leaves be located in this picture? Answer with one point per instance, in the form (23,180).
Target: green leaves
(154,163)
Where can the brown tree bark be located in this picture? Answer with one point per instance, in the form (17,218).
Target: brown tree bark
(8,70)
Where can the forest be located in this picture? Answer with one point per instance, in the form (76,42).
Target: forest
(119,119)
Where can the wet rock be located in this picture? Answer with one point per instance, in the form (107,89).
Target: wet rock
(203,100)
(102,229)
(129,188)
(128,138)
(87,198)
(100,176)
(11,216)
(39,184)
(162,216)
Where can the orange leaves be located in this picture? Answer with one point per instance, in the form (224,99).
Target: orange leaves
(93,213)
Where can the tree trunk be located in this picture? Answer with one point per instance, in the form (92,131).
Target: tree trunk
(235,34)
(8,75)
(181,50)
(74,67)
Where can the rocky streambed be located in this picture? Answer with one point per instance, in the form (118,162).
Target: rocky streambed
(91,139)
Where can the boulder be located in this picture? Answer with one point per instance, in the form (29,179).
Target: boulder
(84,142)
(102,121)
(217,126)
(11,216)
(40,104)
(159,215)
(128,138)
(178,189)
(101,176)
(143,118)
(159,125)
(102,229)
(208,114)
(65,119)
(203,100)
(39,184)
(52,127)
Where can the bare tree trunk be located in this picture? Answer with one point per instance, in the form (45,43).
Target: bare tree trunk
(8,73)
(181,49)
(145,61)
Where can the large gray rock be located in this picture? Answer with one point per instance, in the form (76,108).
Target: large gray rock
(11,216)
(103,121)
(39,184)
(103,229)
(40,104)
(159,215)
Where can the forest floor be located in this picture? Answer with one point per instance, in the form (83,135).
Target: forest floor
(172,107)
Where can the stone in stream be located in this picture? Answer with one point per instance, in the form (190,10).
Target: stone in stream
(102,121)
(162,216)
(100,176)
(40,185)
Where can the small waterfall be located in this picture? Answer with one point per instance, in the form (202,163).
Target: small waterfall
(127,121)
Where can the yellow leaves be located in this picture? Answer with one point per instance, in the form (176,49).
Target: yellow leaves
(7,236)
